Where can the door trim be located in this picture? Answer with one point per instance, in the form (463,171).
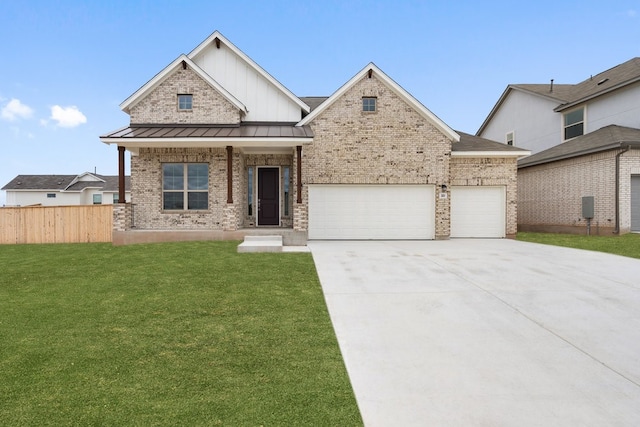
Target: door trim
(258,195)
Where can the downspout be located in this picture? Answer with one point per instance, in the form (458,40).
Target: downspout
(627,147)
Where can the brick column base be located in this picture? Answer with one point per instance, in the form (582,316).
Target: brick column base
(300,217)
(231,217)
(121,216)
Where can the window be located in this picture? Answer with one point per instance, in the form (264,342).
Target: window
(185,102)
(97,199)
(286,190)
(510,138)
(250,190)
(115,199)
(369,104)
(51,195)
(573,124)
(185,186)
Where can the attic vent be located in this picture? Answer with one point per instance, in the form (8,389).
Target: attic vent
(184,65)
(370,72)
(217,40)
(603,81)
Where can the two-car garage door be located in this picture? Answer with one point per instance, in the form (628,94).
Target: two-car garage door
(377,212)
(402,212)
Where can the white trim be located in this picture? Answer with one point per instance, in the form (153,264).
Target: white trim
(490,153)
(402,93)
(584,122)
(257,188)
(513,138)
(141,93)
(251,63)
(199,142)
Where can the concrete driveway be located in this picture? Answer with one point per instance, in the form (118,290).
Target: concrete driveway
(485,332)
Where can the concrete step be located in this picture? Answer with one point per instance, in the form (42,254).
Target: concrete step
(261,244)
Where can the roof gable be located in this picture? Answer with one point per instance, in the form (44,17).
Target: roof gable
(181,61)
(217,41)
(65,182)
(396,88)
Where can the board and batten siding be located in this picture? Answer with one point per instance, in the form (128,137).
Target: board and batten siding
(264,101)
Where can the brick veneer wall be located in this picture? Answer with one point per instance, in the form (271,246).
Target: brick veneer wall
(490,172)
(161,105)
(394,145)
(146,189)
(550,195)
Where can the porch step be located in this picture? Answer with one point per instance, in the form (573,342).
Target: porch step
(261,244)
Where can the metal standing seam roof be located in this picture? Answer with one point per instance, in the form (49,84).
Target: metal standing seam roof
(606,138)
(245,130)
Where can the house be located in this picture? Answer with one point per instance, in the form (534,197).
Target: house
(63,190)
(585,140)
(220,148)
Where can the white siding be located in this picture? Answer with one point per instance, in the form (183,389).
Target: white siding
(264,100)
(620,108)
(29,198)
(536,126)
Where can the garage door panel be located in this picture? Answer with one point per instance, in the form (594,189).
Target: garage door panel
(478,212)
(635,203)
(371,211)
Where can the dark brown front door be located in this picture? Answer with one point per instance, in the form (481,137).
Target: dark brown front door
(268,196)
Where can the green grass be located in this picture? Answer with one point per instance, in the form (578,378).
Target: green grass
(187,334)
(626,245)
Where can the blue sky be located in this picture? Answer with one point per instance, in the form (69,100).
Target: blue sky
(67,65)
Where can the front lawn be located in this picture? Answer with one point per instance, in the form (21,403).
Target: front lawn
(169,334)
(627,244)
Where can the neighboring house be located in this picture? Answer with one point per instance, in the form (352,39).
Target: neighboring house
(218,145)
(586,144)
(64,190)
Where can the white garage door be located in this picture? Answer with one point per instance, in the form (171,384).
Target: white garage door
(394,212)
(478,211)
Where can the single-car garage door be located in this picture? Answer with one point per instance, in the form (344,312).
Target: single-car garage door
(393,212)
(635,203)
(478,211)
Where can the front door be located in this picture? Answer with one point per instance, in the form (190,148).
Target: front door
(268,196)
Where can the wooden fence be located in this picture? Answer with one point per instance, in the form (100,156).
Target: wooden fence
(56,224)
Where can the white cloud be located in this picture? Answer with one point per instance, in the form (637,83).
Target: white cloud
(67,117)
(16,110)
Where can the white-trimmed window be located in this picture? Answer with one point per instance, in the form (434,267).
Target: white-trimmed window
(510,138)
(185,186)
(97,199)
(573,123)
(185,102)
(369,104)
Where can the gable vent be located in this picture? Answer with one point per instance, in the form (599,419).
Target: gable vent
(603,81)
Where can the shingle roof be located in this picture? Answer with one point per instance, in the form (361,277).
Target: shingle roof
(606,138)
(245,130)
(63,183)
(572,94)
(313,101)
(475,143)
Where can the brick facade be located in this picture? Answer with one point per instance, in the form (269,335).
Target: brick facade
(393,145)
(161,105)
(550,195)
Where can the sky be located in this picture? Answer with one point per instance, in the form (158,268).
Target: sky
(67,65)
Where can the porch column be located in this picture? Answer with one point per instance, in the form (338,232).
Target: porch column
(299,173)
(229,174)
(121,186)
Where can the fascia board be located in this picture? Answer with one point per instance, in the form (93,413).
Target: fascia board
(469,154)
(572,104)
(200,142)
(251,62)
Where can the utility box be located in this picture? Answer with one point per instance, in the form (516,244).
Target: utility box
(587,207)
